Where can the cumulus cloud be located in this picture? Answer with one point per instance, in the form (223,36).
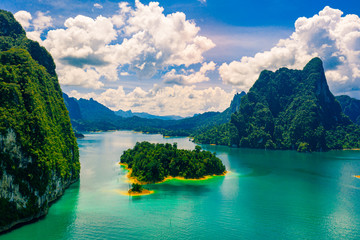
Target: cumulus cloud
(34,26)
(194,77)
(98,6)
(328,35)
(23,17)
(162,101)
(143,39)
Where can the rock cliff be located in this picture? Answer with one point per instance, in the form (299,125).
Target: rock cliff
(39,156)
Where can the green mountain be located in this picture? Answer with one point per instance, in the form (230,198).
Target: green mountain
(288,109)
(351,107)
(39,156)
(90,115)
(129,113)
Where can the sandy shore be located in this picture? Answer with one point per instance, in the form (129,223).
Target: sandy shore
(134,180)
(129,193)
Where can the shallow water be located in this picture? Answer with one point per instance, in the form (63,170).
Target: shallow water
(267,195)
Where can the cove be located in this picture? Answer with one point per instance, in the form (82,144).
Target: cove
(267,195)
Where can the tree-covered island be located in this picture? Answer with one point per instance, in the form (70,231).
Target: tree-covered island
(152,163)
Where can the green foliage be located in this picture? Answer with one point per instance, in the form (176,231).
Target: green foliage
(304,147)
(351,107)
(219,135)
(32,107)
(154,162)
(293,109)
(136,187)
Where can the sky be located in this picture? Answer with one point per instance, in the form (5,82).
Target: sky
(172,57)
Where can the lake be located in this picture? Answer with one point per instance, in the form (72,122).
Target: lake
(266,195)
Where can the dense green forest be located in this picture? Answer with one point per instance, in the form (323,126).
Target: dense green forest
(37,144)
(351,107)
(154,162)
(289,109)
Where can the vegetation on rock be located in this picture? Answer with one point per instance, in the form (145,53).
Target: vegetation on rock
(38,149)
(154,162)
(288,109)
(351,107)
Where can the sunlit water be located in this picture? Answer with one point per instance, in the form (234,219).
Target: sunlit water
(267,195)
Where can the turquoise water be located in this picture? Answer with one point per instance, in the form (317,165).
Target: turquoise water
(267,195)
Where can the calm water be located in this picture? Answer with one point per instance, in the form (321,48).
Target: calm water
(267,195)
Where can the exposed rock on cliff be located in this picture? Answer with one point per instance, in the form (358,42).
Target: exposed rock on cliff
(39,155)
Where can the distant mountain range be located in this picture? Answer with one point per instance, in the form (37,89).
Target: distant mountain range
(129,114)
(286,109)
(90,115)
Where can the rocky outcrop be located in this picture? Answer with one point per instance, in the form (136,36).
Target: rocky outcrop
(39,155)
(293,109)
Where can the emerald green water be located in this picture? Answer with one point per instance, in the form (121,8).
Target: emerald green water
(267,195)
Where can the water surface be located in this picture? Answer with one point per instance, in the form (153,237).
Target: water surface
(267,195)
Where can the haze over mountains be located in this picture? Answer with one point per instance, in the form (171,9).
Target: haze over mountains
(89,115)
(129,113)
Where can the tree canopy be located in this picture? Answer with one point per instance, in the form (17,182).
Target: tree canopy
(154,162)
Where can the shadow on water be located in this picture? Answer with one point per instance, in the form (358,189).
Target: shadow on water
(257,172)
(312,173)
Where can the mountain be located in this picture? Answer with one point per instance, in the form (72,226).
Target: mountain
(351,107)
(220,131)
(129,113)
(39,156)
(90,115)
(124,114)
(293,109)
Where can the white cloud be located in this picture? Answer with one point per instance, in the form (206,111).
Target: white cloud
(185,78)
(98,6)
(142,38)
(42,22)
(202,1)
(23,17)
(34,26)
(329,35)
(176,100)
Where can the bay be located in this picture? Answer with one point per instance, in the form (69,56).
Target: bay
(266,195)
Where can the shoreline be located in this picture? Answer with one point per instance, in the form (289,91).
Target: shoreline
(134,180)
(134,194)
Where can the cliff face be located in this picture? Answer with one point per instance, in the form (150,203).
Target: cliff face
(39,155)
(351,107)
(293,109)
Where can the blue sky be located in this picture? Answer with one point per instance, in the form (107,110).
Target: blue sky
(140,57)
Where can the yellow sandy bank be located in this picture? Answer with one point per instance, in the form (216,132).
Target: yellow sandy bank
(134,180)
(129,193)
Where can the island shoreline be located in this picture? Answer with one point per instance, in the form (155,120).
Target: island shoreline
(134,180)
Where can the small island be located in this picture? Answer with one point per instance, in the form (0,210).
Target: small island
(138,190)
(154,163)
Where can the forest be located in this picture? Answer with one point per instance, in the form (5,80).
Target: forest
(289,109)
(37,143)
(151,163)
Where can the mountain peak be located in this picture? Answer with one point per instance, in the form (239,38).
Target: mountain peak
(9,27)
(315,65)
